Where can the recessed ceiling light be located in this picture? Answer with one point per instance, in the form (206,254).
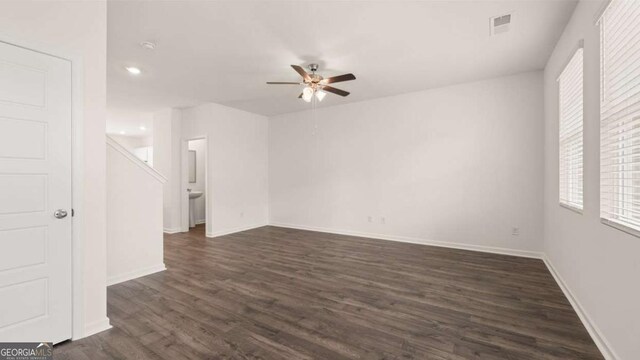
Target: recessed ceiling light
(143,128)
(122,132)
(133,70)
(148,45)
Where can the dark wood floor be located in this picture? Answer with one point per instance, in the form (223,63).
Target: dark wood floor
(275,293)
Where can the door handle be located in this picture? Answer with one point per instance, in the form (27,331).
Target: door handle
(60,213)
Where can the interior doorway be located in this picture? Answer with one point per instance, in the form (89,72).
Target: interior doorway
(194,174)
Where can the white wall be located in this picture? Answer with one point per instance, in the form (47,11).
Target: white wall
(600,265)
(167,125)
(236,165)
(200,147)
(77,30)
(461,164)
(134,237)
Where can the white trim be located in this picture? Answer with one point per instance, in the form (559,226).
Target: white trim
(96,327)
(569,207)
(622,227)
(598,337)
(172,230)
(413,240)
(203,221)
(600,13)
(78,328)
(112,280)
(579,46)
(134,159)
(234,230)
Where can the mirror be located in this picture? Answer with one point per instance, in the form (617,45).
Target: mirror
(192,166)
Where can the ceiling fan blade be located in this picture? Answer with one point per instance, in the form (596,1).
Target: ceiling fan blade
(331,89)
(301,71)
(282,83)
(339,78)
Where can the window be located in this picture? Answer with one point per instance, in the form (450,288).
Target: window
(570,98)
(620,114)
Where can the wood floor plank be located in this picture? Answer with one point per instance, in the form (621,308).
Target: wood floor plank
(276,293)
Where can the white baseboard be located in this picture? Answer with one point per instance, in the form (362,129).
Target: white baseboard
(597,336)
(412,240)
(171,230)
(112,280)
(96,327)
(234,230)
(203,221)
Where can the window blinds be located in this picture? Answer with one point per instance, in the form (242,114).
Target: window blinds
(570,97)
(620,114)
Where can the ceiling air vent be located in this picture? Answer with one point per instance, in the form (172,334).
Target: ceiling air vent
(500,24)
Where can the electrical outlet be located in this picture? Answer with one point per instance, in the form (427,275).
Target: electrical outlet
(370,218)
(515,231)
(242,214)
(383,220)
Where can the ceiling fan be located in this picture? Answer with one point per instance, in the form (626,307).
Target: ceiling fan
(316,84)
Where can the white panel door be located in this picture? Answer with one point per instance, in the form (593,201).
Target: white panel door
(35,181)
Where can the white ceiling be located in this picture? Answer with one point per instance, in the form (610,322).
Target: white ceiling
(224,52)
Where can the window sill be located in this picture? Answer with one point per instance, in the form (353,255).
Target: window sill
(620,227)
(569,207)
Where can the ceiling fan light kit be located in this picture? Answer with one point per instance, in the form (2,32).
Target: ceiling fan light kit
(316,84)
(320,94)
(307,94)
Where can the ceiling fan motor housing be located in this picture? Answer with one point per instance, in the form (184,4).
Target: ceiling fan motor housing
(314,79)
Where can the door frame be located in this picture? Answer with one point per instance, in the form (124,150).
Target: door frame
(184,183)
(77,170)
